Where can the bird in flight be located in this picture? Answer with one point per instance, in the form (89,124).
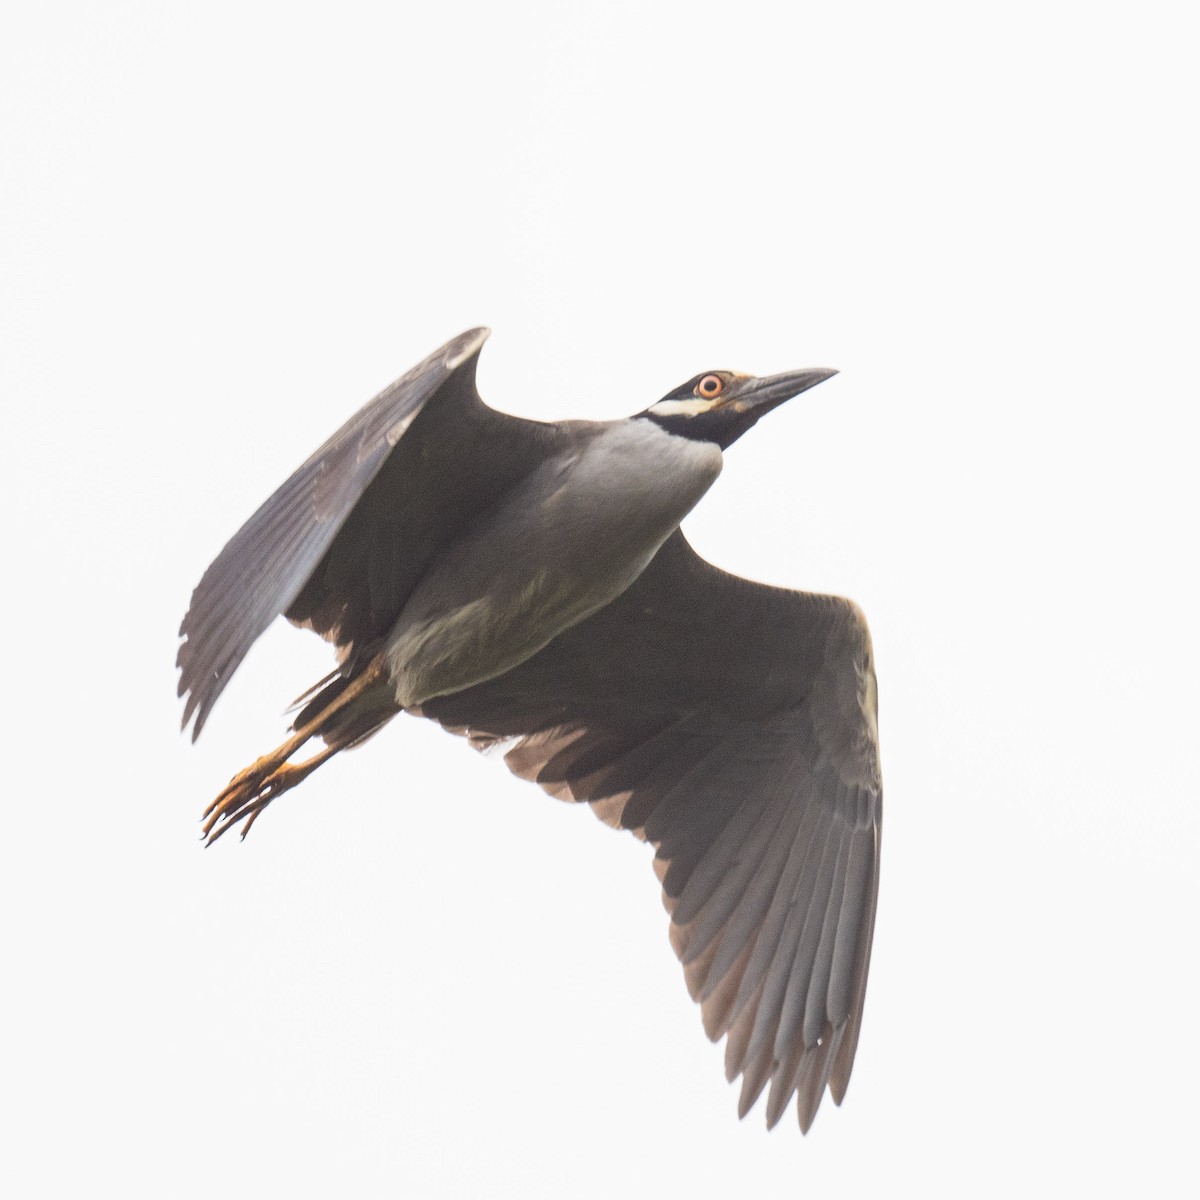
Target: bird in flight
(526,585)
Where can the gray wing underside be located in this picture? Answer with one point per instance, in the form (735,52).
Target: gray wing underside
(264,566)
(733,726)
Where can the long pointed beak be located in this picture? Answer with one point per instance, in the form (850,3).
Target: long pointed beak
(761,395)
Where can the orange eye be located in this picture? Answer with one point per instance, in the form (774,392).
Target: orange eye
(709,388)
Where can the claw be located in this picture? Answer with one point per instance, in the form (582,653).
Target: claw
(249,793)
(251,790)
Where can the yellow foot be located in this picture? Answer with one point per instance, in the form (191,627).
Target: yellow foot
(251,790)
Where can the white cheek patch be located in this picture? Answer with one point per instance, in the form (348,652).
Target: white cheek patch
(681,408)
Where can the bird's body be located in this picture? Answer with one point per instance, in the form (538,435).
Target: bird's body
(527,584)
(562,543)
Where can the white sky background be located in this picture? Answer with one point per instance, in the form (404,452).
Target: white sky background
(226,227)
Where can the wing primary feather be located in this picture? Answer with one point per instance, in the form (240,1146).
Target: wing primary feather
(747,918)
(211,672)
(754,1079)
(737,1043)
(718,994)
(776,949)
(814,1075)
(839,1078)
(796,969)
(695,970)
(714,866)
(783,1076)
(855,898)
(815,1001)
(728,893)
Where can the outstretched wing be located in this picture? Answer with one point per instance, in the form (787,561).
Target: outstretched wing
(732,725)
(266,563)
(340,545)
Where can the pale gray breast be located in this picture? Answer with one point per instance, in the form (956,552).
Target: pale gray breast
(565,542)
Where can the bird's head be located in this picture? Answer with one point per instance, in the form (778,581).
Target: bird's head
(719,406)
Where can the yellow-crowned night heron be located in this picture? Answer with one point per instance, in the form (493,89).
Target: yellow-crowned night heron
(527,583)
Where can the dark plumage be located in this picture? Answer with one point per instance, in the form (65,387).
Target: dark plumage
(507,580)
